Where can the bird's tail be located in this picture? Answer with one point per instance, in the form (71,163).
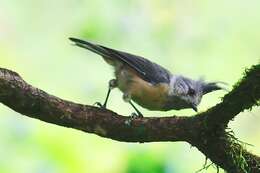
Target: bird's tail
(90,46)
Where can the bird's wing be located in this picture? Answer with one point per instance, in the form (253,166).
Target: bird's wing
(147,70)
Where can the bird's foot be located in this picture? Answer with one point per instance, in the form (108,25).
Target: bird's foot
(103,106)
(132,117)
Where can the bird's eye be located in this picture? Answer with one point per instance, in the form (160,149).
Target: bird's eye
(191,92)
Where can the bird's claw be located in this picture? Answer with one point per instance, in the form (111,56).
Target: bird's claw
(135,115)
(132,117)
(100,105)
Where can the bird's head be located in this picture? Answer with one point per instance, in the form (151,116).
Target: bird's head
(188,93)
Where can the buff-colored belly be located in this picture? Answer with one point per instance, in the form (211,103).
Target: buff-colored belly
(152,97)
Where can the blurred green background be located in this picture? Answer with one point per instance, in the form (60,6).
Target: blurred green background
(216,40)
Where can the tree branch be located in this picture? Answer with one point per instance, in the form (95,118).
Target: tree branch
(206,131)
(30,101)
(245,95)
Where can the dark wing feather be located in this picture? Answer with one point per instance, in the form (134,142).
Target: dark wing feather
(147,70)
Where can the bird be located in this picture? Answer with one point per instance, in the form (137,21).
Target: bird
(148,84)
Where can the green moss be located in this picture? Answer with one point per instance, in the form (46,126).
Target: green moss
(206,166)
(246,89)
(248,74)
(236,152)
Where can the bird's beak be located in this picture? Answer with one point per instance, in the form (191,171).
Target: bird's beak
(194,107)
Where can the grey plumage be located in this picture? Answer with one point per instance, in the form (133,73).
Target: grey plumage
(166,91)
(147,70)
(209,87)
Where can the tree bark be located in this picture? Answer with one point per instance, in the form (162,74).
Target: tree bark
(207,130)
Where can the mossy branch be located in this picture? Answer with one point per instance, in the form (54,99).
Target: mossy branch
(245,95)
(206,131)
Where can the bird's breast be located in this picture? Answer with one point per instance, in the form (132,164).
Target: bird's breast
(152,97)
